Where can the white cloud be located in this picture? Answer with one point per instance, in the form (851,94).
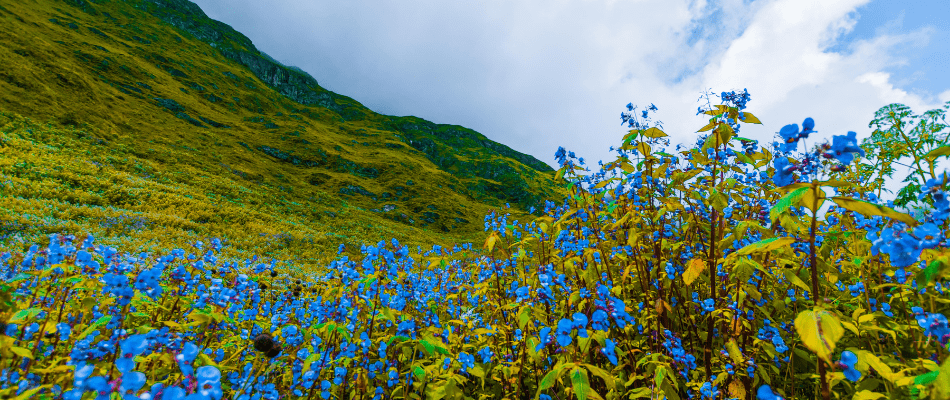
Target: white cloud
(536,75)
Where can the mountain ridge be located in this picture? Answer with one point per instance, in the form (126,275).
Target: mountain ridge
(179,96)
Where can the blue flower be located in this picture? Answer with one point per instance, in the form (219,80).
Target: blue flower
(131,347)
(186,358)
(934,324)
(209,381)
(486,354)
(848,359)
(789,134)
(599,320)
(545,337)
(929,234)
(467,361)
(609,350)
(765,393)
(580,323)
(784,172)
(808,126)
(709,391)
(339,373)
(843,147)
(564,332)
(131,383)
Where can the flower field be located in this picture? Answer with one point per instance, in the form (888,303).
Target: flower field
(725,270)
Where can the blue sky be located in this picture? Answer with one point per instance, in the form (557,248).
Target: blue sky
(536,75)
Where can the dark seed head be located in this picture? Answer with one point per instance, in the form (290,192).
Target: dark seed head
(296,293)
(274,351)
(298,281)
(263,343)
(273,274)
(263,286)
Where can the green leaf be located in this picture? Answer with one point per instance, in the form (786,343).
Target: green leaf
(659,375)
(795,280)
(870,209)
(550,377)
(524,315)
(927,275)
(397,338)
(786,202)
(580,383)
(24,315)
(819,331)
(419,372)
(926,379)
(95,325)
(609,379)
(765,245)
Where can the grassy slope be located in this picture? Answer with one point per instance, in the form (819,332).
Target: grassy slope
(108,118)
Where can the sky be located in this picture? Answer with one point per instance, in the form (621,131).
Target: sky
(535,75)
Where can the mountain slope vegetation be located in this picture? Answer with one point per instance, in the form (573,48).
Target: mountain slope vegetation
(149,113)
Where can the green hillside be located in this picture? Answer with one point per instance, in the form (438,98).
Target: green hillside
(145,119)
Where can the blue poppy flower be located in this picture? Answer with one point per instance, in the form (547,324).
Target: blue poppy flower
(609,350)
(599,320)
(186,358)
(765,393)
(486,354)
(467,361)
(844,147)
(131,347)
(929,234)
(789,135)
(580,323)
(339,373)
(545,337)
(131,383)
(784,172)
(564,332)
(848,359)
(708,391)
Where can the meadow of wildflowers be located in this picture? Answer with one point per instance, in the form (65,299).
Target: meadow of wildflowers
(705,272)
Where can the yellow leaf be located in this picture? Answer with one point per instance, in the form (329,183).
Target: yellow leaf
(882,369)
(735,354)
(708,126)
(750,119)
(25,353)
(644,148)
(490,242)
(870,209)
(693,270)
(868,395)
(765,245)
(819,331)
(736,390)
(654,133)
